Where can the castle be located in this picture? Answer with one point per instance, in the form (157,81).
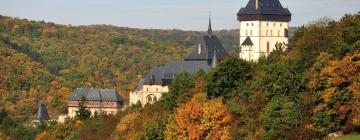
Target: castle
(204,57)
(263,25)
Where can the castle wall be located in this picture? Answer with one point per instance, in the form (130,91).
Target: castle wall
(148,94)
(261,33)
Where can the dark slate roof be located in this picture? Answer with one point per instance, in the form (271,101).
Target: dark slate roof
(247,42)
(210,45)
(171,70)
(91,94)
(266,7)
(42,113)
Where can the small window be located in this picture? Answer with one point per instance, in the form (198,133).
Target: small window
(147,89)
(267,24)
(157,89)
(286,33)
(268,47)
(247,24)
(274,24)
(280,24)
(252,24)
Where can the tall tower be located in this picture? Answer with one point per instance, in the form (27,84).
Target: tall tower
(263,24)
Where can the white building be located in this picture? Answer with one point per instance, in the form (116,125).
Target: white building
(263,24)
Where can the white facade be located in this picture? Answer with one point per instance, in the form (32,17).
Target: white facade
(264,36)
(148,94)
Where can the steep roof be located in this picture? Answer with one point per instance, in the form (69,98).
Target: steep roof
(267,10)
(209,45)
(91,94)
(171,70)
(247,42)
(42,113)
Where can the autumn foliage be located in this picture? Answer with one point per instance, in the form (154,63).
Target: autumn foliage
(201,118)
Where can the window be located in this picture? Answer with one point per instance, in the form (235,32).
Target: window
(286,33)
(149,98)
(147,89)
(154,98)
(268,47)
(274,24)
(247,24)
(252,24)
(267,24)
(280,24)
(157,89)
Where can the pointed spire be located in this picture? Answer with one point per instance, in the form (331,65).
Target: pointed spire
(214,60)
(209,29)
(42,113)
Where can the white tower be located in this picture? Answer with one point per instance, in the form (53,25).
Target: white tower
(263,24)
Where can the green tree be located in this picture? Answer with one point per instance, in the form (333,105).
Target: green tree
(83,113)
(281,114)
(154,130)
(231,73)
(183,83)
(283,79)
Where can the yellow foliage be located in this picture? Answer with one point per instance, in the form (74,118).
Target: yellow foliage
(128,126)
(201,118)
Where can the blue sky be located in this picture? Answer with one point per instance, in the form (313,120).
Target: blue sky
(164,14)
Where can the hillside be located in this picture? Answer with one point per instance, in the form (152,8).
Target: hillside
(305,92)
(100,56)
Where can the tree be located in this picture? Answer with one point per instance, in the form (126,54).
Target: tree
(281,114)
(201,118)
(83,113)
(182,84)
(283,79)
(231,73)
(338,95)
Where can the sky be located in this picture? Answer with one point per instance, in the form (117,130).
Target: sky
(164,14)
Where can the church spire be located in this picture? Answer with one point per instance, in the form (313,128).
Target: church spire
(209,29)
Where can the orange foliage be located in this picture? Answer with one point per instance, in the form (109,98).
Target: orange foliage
(343,75)
(202,118)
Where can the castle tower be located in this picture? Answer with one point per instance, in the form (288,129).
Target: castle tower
(263,24)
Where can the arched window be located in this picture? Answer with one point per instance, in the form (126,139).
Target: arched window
(268,47)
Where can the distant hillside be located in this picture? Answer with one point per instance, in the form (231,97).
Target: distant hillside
(100,56)
(90,56)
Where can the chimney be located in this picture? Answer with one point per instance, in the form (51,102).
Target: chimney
(257,4)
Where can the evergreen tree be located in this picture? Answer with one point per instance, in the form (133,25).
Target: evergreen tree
(83,113)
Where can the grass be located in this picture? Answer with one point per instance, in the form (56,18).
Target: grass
(353,136)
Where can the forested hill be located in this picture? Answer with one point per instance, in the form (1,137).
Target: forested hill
(100,56)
